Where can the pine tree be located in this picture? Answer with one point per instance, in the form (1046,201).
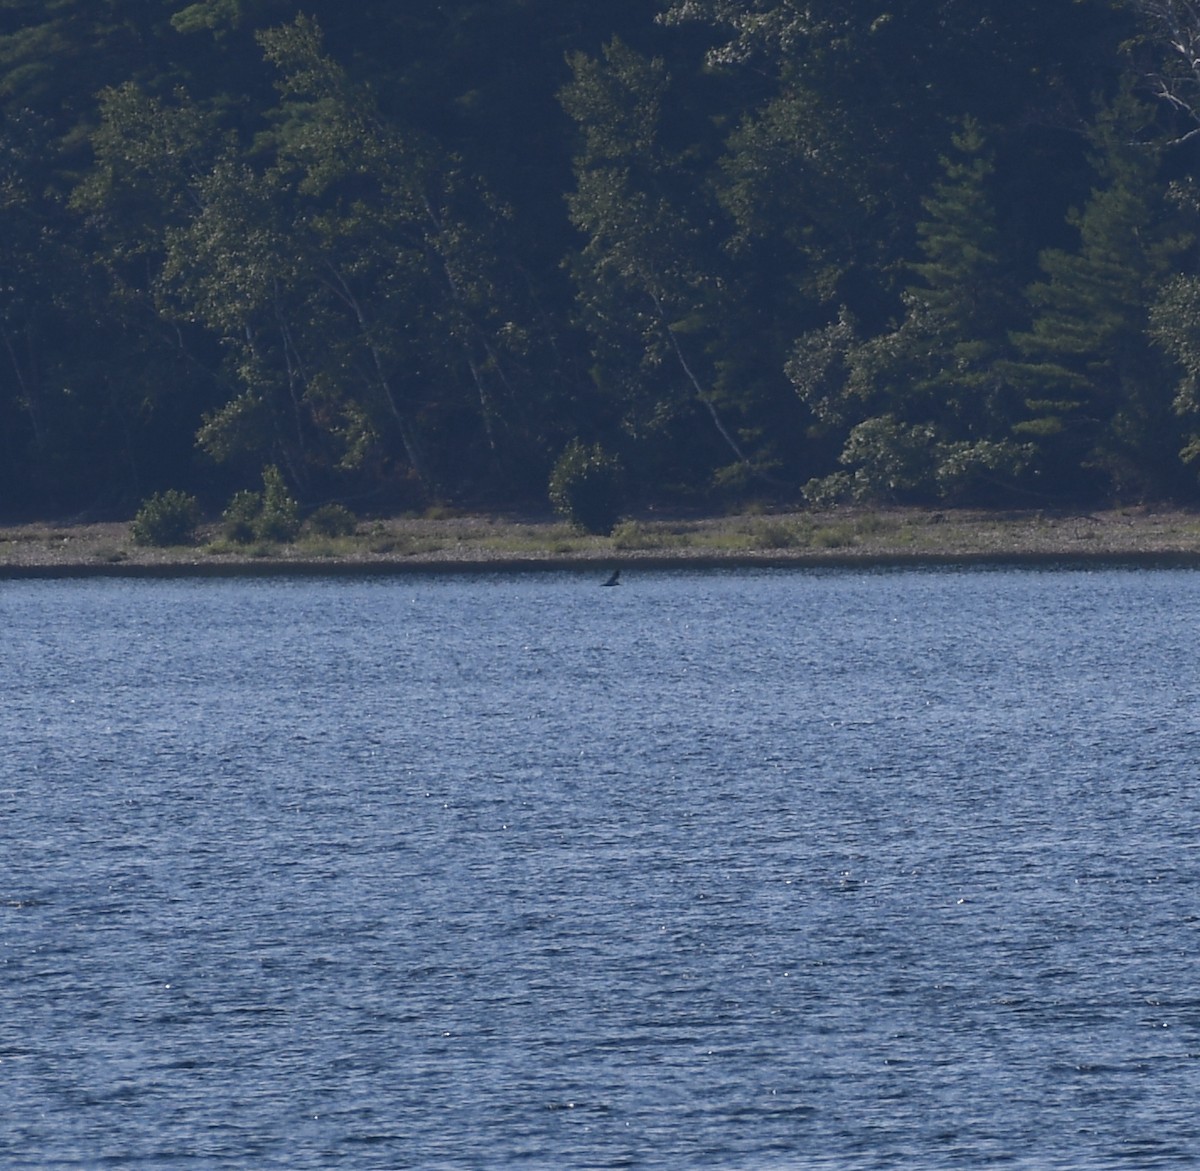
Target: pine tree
(935,415)
(1097,391)
(966,298)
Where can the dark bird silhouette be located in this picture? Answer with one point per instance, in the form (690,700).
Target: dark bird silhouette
(613,579)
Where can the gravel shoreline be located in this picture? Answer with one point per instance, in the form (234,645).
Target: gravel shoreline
(466,543)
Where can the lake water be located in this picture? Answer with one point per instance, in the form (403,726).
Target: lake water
(743,870)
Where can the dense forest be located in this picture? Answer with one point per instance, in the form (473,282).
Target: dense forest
(407,253)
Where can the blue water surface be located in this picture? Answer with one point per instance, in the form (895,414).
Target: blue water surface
(776,869)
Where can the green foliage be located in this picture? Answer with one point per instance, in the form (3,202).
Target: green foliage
(926,406)
(829,491)
(1098,393)
(332,520)
(279,519)
(648,275)
(269,515)
(981,472)
(231,238)
(239,521)
(586,488)
(892,460)
(167,518)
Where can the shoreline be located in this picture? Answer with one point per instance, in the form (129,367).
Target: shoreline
(836,538)
(357,570)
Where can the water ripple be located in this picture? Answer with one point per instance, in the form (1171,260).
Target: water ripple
(759,870)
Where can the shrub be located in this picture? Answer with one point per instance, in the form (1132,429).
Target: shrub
(280,516)
(586,488)
(269,515)
(774,534)
(240,520)
(629,534)
(829,491)
(167,518)
(333,520)
(892,460)
(977,471)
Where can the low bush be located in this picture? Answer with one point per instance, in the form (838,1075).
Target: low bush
(775,534)
(167,518)
(239,520)
(333,520)
(280,516)
(269,515)
(586,488)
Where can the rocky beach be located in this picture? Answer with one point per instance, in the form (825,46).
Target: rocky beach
(463,543)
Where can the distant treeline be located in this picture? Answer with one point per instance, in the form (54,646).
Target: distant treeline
(911,250)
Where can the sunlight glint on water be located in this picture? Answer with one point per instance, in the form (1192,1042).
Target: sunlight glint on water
(728,870)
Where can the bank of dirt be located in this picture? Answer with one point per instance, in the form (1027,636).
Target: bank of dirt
(458,543)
